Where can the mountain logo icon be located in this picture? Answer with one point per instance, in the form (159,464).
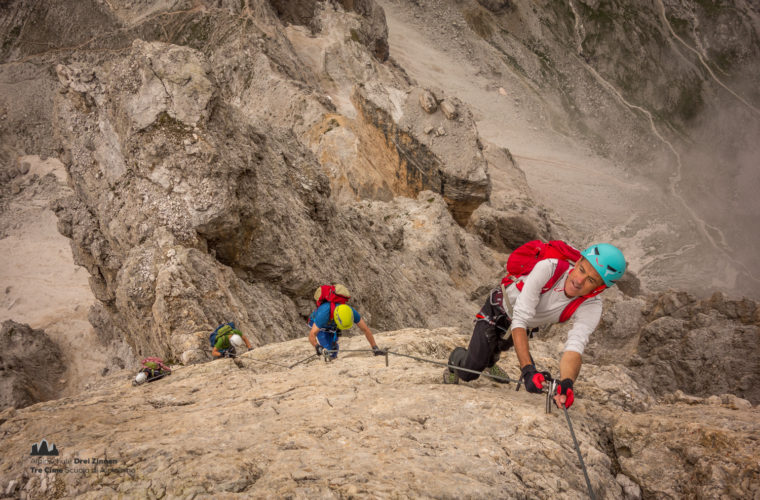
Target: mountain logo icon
(43,449)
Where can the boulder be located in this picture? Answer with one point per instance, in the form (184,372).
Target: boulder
(31,366)
(428,102)
(449,109)
(692,345)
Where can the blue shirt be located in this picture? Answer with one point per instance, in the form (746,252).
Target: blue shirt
(321,317)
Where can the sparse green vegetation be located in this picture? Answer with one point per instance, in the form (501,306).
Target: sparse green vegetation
(682,27)
(711,7)
(171,126)
(13,34)
(511,61)
(597,16)
(548,69)
(199,31)
(331,125)
(194,33)
(564,14)
(724,59)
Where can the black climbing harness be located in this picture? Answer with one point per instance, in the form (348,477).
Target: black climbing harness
(495,299)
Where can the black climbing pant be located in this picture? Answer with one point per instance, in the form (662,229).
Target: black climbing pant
(487,340)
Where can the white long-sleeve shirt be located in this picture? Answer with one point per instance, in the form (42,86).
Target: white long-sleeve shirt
(529,308)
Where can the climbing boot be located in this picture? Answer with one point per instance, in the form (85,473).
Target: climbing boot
(495,371)
(450,377)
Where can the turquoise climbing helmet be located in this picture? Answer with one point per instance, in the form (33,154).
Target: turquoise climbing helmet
(608,261)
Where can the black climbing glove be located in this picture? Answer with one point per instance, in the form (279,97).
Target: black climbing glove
(534,380)
(319,349)
(566,387)
(377,351)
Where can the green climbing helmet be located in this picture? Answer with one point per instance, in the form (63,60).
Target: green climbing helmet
(608,261)
(344,316)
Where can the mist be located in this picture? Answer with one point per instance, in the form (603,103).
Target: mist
(720,180)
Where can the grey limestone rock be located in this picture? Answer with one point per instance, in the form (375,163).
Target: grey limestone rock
(31,366)
(672,341)
(631,490)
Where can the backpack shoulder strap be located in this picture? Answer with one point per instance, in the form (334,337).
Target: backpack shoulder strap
(562,266)
(570,309)
(573,306)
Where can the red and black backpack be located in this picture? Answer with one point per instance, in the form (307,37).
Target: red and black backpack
(525,257)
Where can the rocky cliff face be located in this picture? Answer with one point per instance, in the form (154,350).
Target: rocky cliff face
(354,427)
(206,160)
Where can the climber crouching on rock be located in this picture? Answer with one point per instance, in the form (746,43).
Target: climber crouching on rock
(542,287)
(226,340)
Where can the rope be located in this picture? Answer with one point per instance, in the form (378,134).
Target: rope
(431,361)
(269,363)
(349,350)
(578,450)
(303,361)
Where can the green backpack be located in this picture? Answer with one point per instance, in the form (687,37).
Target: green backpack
(224,330)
